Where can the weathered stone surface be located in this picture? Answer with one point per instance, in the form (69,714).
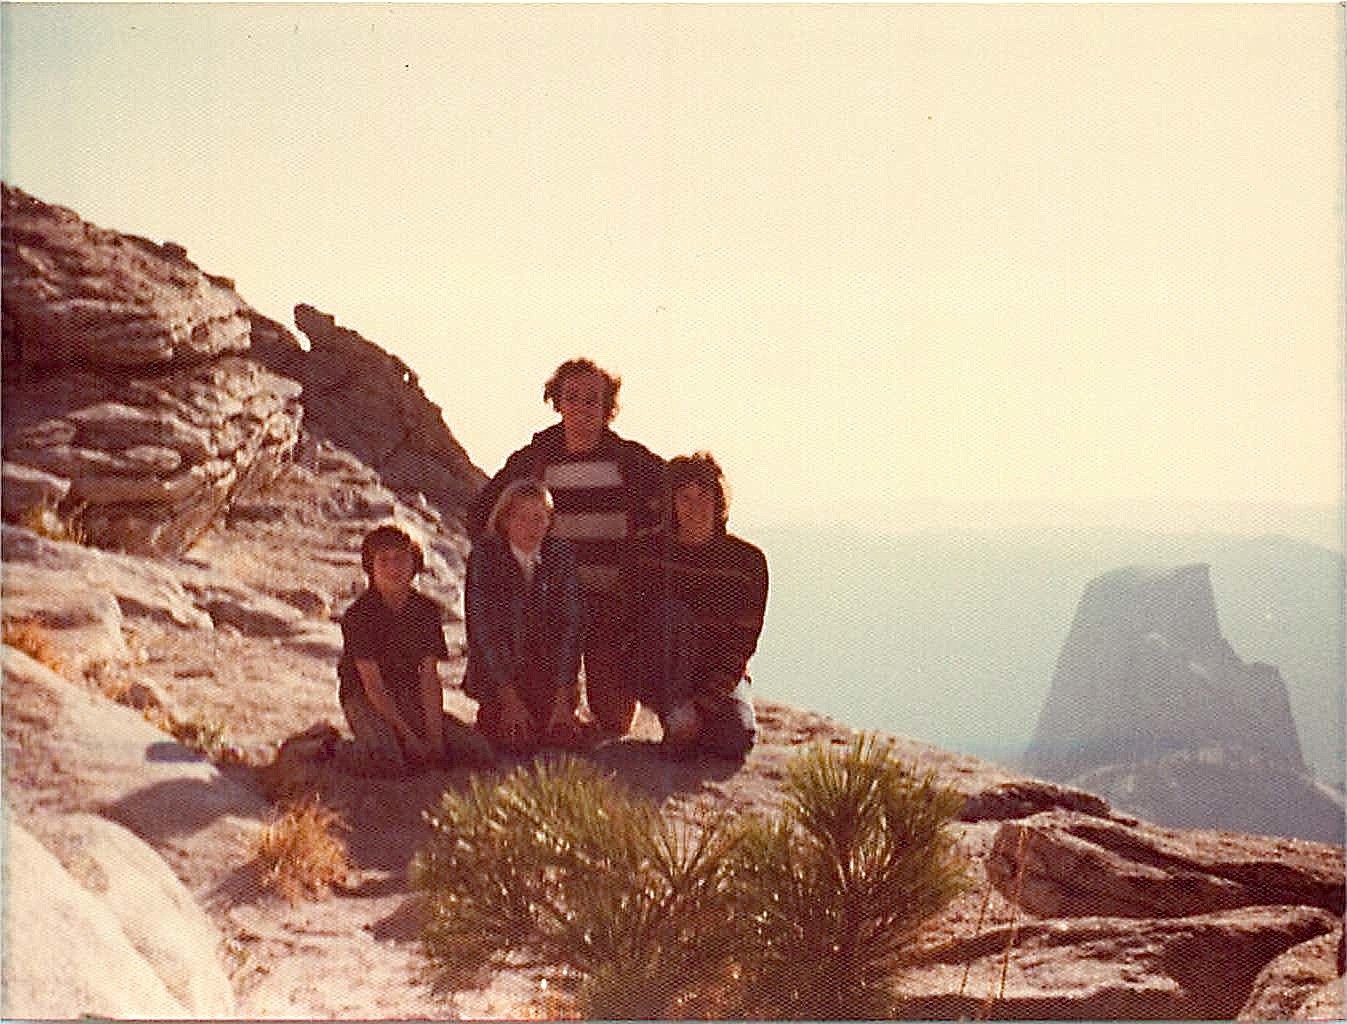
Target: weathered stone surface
(83,623)
(25,489)
(79,295)
(39,570)
(252,614)
(69,750)
(154,909)
(371,403)
(123,380)
(1152,709)
(1328,1002)
(1023,797)
(1293,978)
(66,955)
(1062,864)
(1102,968)
(115,426)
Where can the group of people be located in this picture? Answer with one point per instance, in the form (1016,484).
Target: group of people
(588,550)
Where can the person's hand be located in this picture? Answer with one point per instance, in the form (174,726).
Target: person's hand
(517,727)
(562,728)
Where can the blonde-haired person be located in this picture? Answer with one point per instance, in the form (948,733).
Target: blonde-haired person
(524,621)
(607,490)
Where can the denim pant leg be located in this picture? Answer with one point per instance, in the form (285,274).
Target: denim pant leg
(662,661)
(374,737)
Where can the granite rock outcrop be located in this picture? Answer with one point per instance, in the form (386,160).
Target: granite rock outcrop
(144,736)
(1151,708)
(129,398)
(368,402)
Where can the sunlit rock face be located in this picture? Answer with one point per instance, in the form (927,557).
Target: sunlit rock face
(1151,708)
(127,381)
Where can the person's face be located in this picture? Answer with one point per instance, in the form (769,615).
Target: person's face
(392,570)
(581,401)
(527,523)
(695,512)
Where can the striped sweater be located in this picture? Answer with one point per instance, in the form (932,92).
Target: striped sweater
(604,498)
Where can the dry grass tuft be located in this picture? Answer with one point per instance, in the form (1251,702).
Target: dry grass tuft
(300,853)
(34,639)
(46,520)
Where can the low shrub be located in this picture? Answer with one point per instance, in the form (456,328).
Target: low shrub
(804,915)
(300,854)
(562,866)
(205,735)
(838,886)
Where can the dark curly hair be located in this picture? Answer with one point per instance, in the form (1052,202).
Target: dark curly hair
(575,368)
(702,469)
(381,538)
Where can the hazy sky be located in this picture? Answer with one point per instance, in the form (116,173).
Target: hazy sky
(868,256)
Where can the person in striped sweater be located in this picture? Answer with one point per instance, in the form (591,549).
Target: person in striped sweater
(607,492)
(696,599)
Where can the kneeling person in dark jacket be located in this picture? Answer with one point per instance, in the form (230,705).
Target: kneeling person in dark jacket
(697,598)
(392,637)
(524,625)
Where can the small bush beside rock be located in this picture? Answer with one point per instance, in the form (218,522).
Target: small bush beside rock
(804,915)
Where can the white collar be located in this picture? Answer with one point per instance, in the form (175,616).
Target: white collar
(527,559)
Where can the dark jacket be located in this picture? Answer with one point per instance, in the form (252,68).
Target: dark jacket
(527,636)
(723,583)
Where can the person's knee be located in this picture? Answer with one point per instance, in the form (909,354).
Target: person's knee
(730,731)
(734,744)
(611,701)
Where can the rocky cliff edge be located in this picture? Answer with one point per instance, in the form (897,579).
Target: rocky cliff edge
(160,700)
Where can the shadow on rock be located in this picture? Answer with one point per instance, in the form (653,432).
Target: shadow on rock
(406,924)
(647,768)
(180,807)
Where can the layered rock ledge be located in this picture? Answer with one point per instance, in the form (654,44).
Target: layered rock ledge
(129,402)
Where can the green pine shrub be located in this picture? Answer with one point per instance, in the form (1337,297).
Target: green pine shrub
(840,884)
(560,866)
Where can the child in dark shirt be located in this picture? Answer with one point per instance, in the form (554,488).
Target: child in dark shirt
(392,636)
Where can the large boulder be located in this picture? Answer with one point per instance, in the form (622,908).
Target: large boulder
(65,952)
(1106,968)
(1292,986)
(1151,708)
(1066,864)
(154,909)
(126,381)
